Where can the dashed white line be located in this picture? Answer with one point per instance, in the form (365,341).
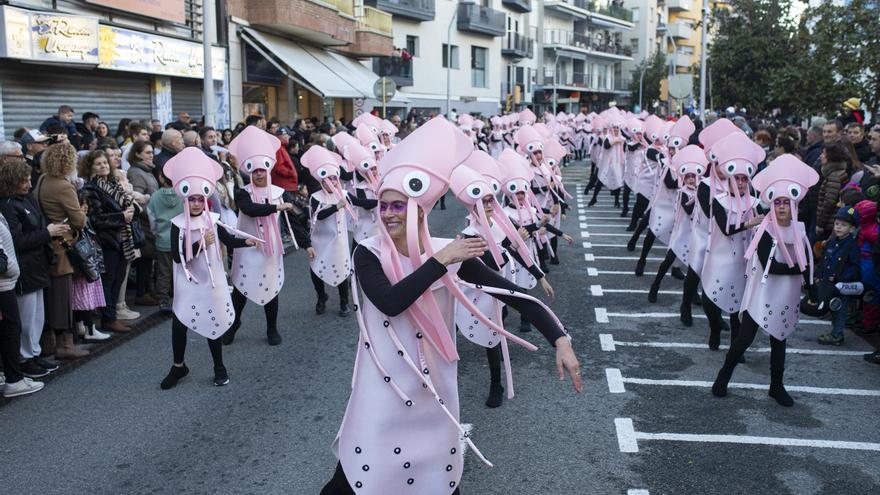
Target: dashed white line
(632,258)
(627,439)
(601,315)
(596,290)
(676,315)
(615,381)
(609,344)
(587,245)
(592,272)
(589,257)
(635,291)
(637,491)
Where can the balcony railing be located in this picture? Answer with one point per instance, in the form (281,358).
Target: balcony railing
(679,5)
(577,40)
(518,5)
(417,10)
(481,20)
(604,8)
(681,30)
(518,45)
(397,68)
(370,19)
(682,59)
(344,6)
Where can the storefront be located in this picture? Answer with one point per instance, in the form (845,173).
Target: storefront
(50,59)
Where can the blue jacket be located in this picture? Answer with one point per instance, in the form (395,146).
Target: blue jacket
(840,260)
(54,120)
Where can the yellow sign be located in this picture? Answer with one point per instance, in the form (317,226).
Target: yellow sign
(49,37)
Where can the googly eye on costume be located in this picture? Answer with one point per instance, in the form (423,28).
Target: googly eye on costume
(184,187)
(267,163)
(476,190)
(365,164)
(749,169)
(730,167)
(374,146)
(683,170)
(512,187)
(416,183)
(495,185)
(794,191)
(676,143)
(249,165)
(207,188)
(700,170)
(713,157)
(770,193)
(323,173)
(530,147)
(552,162)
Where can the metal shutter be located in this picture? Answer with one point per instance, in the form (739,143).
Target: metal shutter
(186,96)
(31,93)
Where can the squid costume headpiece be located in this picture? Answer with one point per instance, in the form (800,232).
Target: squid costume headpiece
(737,155)
(357,158)
(689,160)
(714,133)
(785,177)
(680,134)
(370,140)
(526,117)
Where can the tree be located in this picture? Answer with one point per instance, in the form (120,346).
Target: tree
(654,70)
(754,44)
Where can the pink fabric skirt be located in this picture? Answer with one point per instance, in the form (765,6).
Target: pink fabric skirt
(87,295)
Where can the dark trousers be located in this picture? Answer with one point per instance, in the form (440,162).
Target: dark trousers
(713,313)
(178,344)
(638,210)
(111,279)
(338,485)
(691,283)
(271,308)
(747,331)
(664,267)
(10,336)
(322,293)
(626,194)
(143,276)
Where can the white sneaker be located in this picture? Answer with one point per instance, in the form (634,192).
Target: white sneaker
(95,335)
(22,387)
(123,313)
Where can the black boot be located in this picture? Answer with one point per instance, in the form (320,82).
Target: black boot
(344,309)
(677,273)
(640,267)
(631,245)
(652,294)
(625,213)
(714,338)
(496,395)
(221,377)
(719,388)
(321,306)
(229,337)
(777,369)
(273,336)
(175,375)
(685,315)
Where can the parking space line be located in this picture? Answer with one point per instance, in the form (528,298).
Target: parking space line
(616,385)
(633,258)
(598,290)
(601,315)
(626,234)
(628,437)
(623,246)
(609,344)
(592,272)
(676,315)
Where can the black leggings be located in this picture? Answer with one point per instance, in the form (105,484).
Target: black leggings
(643,224)
(178,344)
(713,313)
(747,331)
(85,317)
(647,244)
(10,336)
(664,267)
(691,283)
(626,193)
(594,176)
(338,485)
(271,308)
(638,210)
(554,243)
(322,293)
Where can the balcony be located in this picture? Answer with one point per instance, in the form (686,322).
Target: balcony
(680,30)
(680,5)
(329,23)
(397,68)
(416,10)
(481,20)
(575,8)
(373,37)
(682,60)
(609,10)
(584,43)
(518,46)
(518,5)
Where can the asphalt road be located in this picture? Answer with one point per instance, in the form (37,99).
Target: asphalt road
(106,427)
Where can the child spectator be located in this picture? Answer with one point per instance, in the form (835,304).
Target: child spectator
(164,205)
(87,296)
(840,263)
(867,239)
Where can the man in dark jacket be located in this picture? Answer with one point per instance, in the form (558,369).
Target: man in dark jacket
(855,134)
(172,144)
(87,130)
(814,146)
(64,118)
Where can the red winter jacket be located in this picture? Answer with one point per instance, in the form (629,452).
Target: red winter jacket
(283,174)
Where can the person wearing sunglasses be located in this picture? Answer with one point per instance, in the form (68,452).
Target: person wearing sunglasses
(780,263)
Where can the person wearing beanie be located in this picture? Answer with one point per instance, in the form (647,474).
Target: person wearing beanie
(839,264)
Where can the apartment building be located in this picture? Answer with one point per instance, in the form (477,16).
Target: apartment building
(648,35)
(684,40)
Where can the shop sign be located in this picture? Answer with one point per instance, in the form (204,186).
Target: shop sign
(49,37)
(134,51)
(167,10)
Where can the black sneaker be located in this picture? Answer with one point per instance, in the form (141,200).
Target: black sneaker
(221,377)
(344,310)
(45,364)
(175,375)
(873,357)
(321,306)
(273,336)
(229,337)
(31,369)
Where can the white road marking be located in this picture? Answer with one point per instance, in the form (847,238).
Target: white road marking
(585,234)
(640,291)
(633,258)
(612,235)
(587,245)
(616,272)
(601,315)
(609,344)
(616,382)
(588,257)
(592,272)
(627,439)
(676,315)
(622,220)
(597,225)
(637,491)
(623,246)
(583,225)
(596,290)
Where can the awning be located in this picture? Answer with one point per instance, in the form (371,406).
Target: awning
(363,78)
(316,69)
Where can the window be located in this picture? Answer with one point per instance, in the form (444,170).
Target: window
(634,42)
(478,67)
(635,12)
(412,45)
(453,54)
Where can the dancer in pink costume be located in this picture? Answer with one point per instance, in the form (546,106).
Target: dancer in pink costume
(401,428)
(258,274)
(780,262)
(201,296)
(635,146)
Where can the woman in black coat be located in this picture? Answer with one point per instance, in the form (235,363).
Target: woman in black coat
(31,236)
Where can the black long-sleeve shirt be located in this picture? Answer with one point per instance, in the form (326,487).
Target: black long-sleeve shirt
(688,207)
(489,260)
(394,299)
(246,205)
(776,267)
(229,240)
(324,213)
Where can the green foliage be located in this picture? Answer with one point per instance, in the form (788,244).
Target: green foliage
(655,70)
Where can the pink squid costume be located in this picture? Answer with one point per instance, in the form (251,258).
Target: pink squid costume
(332,262)
(361,161)
(526,117)
(496,138)
(724,270)
(516,178)
(688,160)
(634,158)
(401,427)
(773,300)
(259,273)
(611,171)
(201,296)
(370,140)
